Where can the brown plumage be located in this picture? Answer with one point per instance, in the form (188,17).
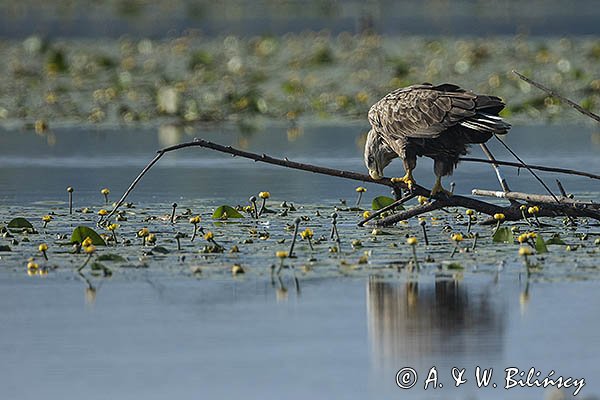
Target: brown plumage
(439,122)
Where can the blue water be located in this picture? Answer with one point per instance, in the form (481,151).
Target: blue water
(338,338)
(32,170)
(147,334)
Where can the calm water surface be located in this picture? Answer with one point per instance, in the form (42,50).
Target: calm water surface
(337,338)
(32,170)
(151,335)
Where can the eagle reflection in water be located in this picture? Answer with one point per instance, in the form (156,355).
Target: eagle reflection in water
(412,322)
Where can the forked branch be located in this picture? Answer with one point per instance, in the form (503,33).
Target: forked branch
(512,212)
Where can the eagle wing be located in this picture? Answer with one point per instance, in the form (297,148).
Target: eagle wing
(425,111)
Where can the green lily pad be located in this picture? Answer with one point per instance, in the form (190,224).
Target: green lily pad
(226,212)
(540,245)
(503,235)
(20,224)
(81,232)
(380,202)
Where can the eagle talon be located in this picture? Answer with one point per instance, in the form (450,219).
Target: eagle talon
(437,188)
(407,179)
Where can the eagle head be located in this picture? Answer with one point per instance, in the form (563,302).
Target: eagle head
(377,154)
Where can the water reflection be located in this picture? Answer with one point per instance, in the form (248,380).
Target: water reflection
(281,288)
(90,290)
(413,320)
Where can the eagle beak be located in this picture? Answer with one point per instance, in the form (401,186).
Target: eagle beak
(375,175)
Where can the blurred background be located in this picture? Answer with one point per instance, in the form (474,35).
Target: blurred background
(157,20)
(121,62)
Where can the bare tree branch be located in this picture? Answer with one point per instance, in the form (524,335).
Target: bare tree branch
(558,96)
(538,167)
(533,198)
(511,212)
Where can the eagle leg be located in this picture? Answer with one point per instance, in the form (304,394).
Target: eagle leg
(438,188)
(409,165)
(441,168)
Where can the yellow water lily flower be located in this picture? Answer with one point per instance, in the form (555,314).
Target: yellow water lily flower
(457,237)
(533,210)
(87,242)
(307,233)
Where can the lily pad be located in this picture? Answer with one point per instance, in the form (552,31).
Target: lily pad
(20,224)
(503,235)
(226,212)
(380,202)
(540,245)
(81,232)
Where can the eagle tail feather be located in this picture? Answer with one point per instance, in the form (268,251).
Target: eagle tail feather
(486,123)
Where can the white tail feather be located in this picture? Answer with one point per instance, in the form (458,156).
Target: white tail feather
(486,123)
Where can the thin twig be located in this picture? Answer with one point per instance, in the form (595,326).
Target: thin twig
(558,96)
(135,181)
(492,159)
(526,167)
(562,190)
(537,167)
